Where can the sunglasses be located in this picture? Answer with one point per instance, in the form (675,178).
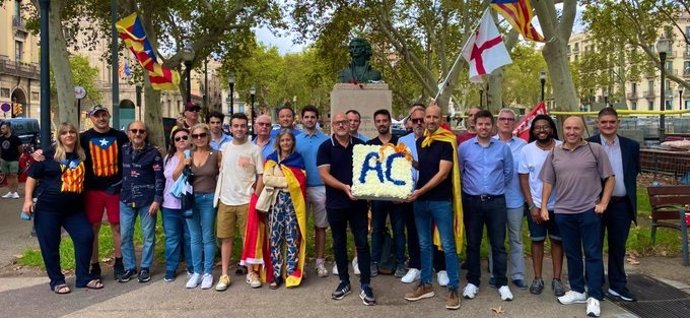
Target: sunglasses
(138,131)
(199,136)
(417,120)
(185,137)
(195,109)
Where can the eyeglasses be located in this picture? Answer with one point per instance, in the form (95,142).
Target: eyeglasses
(341,123)
(264,124)
(138,131)
(417,120)
(508,119)
(541,128)
(199,136)
(185,137)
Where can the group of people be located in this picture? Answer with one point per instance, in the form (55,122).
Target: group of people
(262,188)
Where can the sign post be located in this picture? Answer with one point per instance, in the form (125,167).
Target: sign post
(5,108)
(79,93)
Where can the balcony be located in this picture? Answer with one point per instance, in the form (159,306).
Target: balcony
(19,26)
(18,69)
(649,94)
(631,95)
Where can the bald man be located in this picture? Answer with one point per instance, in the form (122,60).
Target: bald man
(471,131)
(576,168)
(263,137)
(334,160)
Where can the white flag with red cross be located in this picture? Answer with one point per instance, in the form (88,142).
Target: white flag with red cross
(485,50)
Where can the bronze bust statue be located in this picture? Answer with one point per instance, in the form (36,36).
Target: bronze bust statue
(359,70)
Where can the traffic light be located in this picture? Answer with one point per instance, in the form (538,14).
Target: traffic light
(17,109)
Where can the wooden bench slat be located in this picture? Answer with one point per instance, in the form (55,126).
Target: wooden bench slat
(669,190)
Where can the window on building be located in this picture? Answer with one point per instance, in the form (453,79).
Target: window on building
(687,104)
(650,87)
(669,104)
(633,105)
(17,9)
(633,88)
(5,92)
(686,67)
(651,105)
(18,50)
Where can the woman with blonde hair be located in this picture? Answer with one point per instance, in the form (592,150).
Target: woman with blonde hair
(57,184)
(205,166)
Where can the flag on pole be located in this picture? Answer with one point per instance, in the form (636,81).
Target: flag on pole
(519,14)
(522,128)
(132,33)
(124,71)
(485,50)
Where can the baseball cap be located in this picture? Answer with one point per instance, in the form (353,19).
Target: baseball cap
(97,108)
(191,107)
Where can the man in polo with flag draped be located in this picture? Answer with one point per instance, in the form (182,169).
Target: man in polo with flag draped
(437,207)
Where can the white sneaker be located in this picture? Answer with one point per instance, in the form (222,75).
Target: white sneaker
(505,293)
(335,269)
(572,297)
(7,196)
(207,281)
(15,195)
(412,275)
(194,281)
(470,291)
(321,270)
(253,280)
(593,309)
(442,277)
(355,266)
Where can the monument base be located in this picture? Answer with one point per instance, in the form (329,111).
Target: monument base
(364,98)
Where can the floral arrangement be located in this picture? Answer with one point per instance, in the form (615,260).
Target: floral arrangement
(381,172)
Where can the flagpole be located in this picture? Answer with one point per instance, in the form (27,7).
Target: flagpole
(457,60)
(115,76)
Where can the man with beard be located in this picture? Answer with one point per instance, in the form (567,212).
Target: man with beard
(543,137)
(381,210)
(471,132)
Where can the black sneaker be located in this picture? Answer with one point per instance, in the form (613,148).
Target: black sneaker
(127,275)
(342,291)
(95,271)
(144,275)
(367,296)
(537,286)
(118,268)
(624,295)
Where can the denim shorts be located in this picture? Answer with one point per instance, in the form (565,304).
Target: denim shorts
(537,232)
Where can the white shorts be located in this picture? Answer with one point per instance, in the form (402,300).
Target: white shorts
(316,203)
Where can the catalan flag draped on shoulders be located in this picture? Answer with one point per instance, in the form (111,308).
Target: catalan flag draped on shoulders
(132,33)
(445,135)
(519,14)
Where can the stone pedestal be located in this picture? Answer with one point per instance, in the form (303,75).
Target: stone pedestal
(364,98)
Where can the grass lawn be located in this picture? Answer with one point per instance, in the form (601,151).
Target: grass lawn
(639,241)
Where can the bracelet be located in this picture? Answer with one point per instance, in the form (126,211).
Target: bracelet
(532,206)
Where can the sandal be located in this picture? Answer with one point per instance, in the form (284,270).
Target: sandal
(94,284)
(62,289)
(275,284)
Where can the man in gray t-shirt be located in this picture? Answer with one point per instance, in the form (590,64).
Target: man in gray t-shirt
(576,168)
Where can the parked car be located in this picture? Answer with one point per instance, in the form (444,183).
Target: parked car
(27,129)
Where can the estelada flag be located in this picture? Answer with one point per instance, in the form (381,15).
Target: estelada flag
(132,33)
(519,14)
(485,50)
(522,128)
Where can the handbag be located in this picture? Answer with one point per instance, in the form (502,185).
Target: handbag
(266,199)
(182,190)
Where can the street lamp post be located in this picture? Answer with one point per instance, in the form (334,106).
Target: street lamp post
(231,81)
(542,80)
(663,45)
(680,98)
(139,100)
(188,58)
(252,93)
(606,97)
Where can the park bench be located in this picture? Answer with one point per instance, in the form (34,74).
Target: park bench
(669,204)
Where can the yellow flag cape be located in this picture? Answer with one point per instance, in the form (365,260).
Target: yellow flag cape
(445,135)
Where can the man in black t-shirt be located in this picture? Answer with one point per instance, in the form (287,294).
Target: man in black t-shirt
(11,147)
(380,210)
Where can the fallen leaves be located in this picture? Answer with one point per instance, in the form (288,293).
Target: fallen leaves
(497,310)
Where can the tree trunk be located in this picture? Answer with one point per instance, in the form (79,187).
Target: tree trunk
(154,114)
(494,96)
(555,54)
(59,62)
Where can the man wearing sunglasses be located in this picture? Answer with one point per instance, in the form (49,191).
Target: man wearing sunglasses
(190,116)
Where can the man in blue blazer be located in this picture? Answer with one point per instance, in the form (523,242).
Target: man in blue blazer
(624,155)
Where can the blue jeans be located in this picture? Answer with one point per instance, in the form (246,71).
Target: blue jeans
(440,213)
(380,210)
(477,213)
(128,216)
(201,227)
(176,239)
(583,230)
(48,231)
(516,256)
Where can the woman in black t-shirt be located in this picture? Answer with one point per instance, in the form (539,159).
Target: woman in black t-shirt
(57,183)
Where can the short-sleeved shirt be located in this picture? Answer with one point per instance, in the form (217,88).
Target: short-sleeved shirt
(411,143)
(531,161)
(266,149)
(60,183)
(308,146)
(577,175)
(216,144)
(377,142)
(485,169)
(103,159)
(240,167)
(362,137)
(514,197)
(275,132)
(10,147)
(428,163)
(339,159)
(169,200)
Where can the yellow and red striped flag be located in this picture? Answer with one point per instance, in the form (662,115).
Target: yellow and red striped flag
(519,14)
(133,35)
(72,176)
(104,154)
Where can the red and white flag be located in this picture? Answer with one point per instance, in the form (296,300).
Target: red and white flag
(522,128)
(485,50)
